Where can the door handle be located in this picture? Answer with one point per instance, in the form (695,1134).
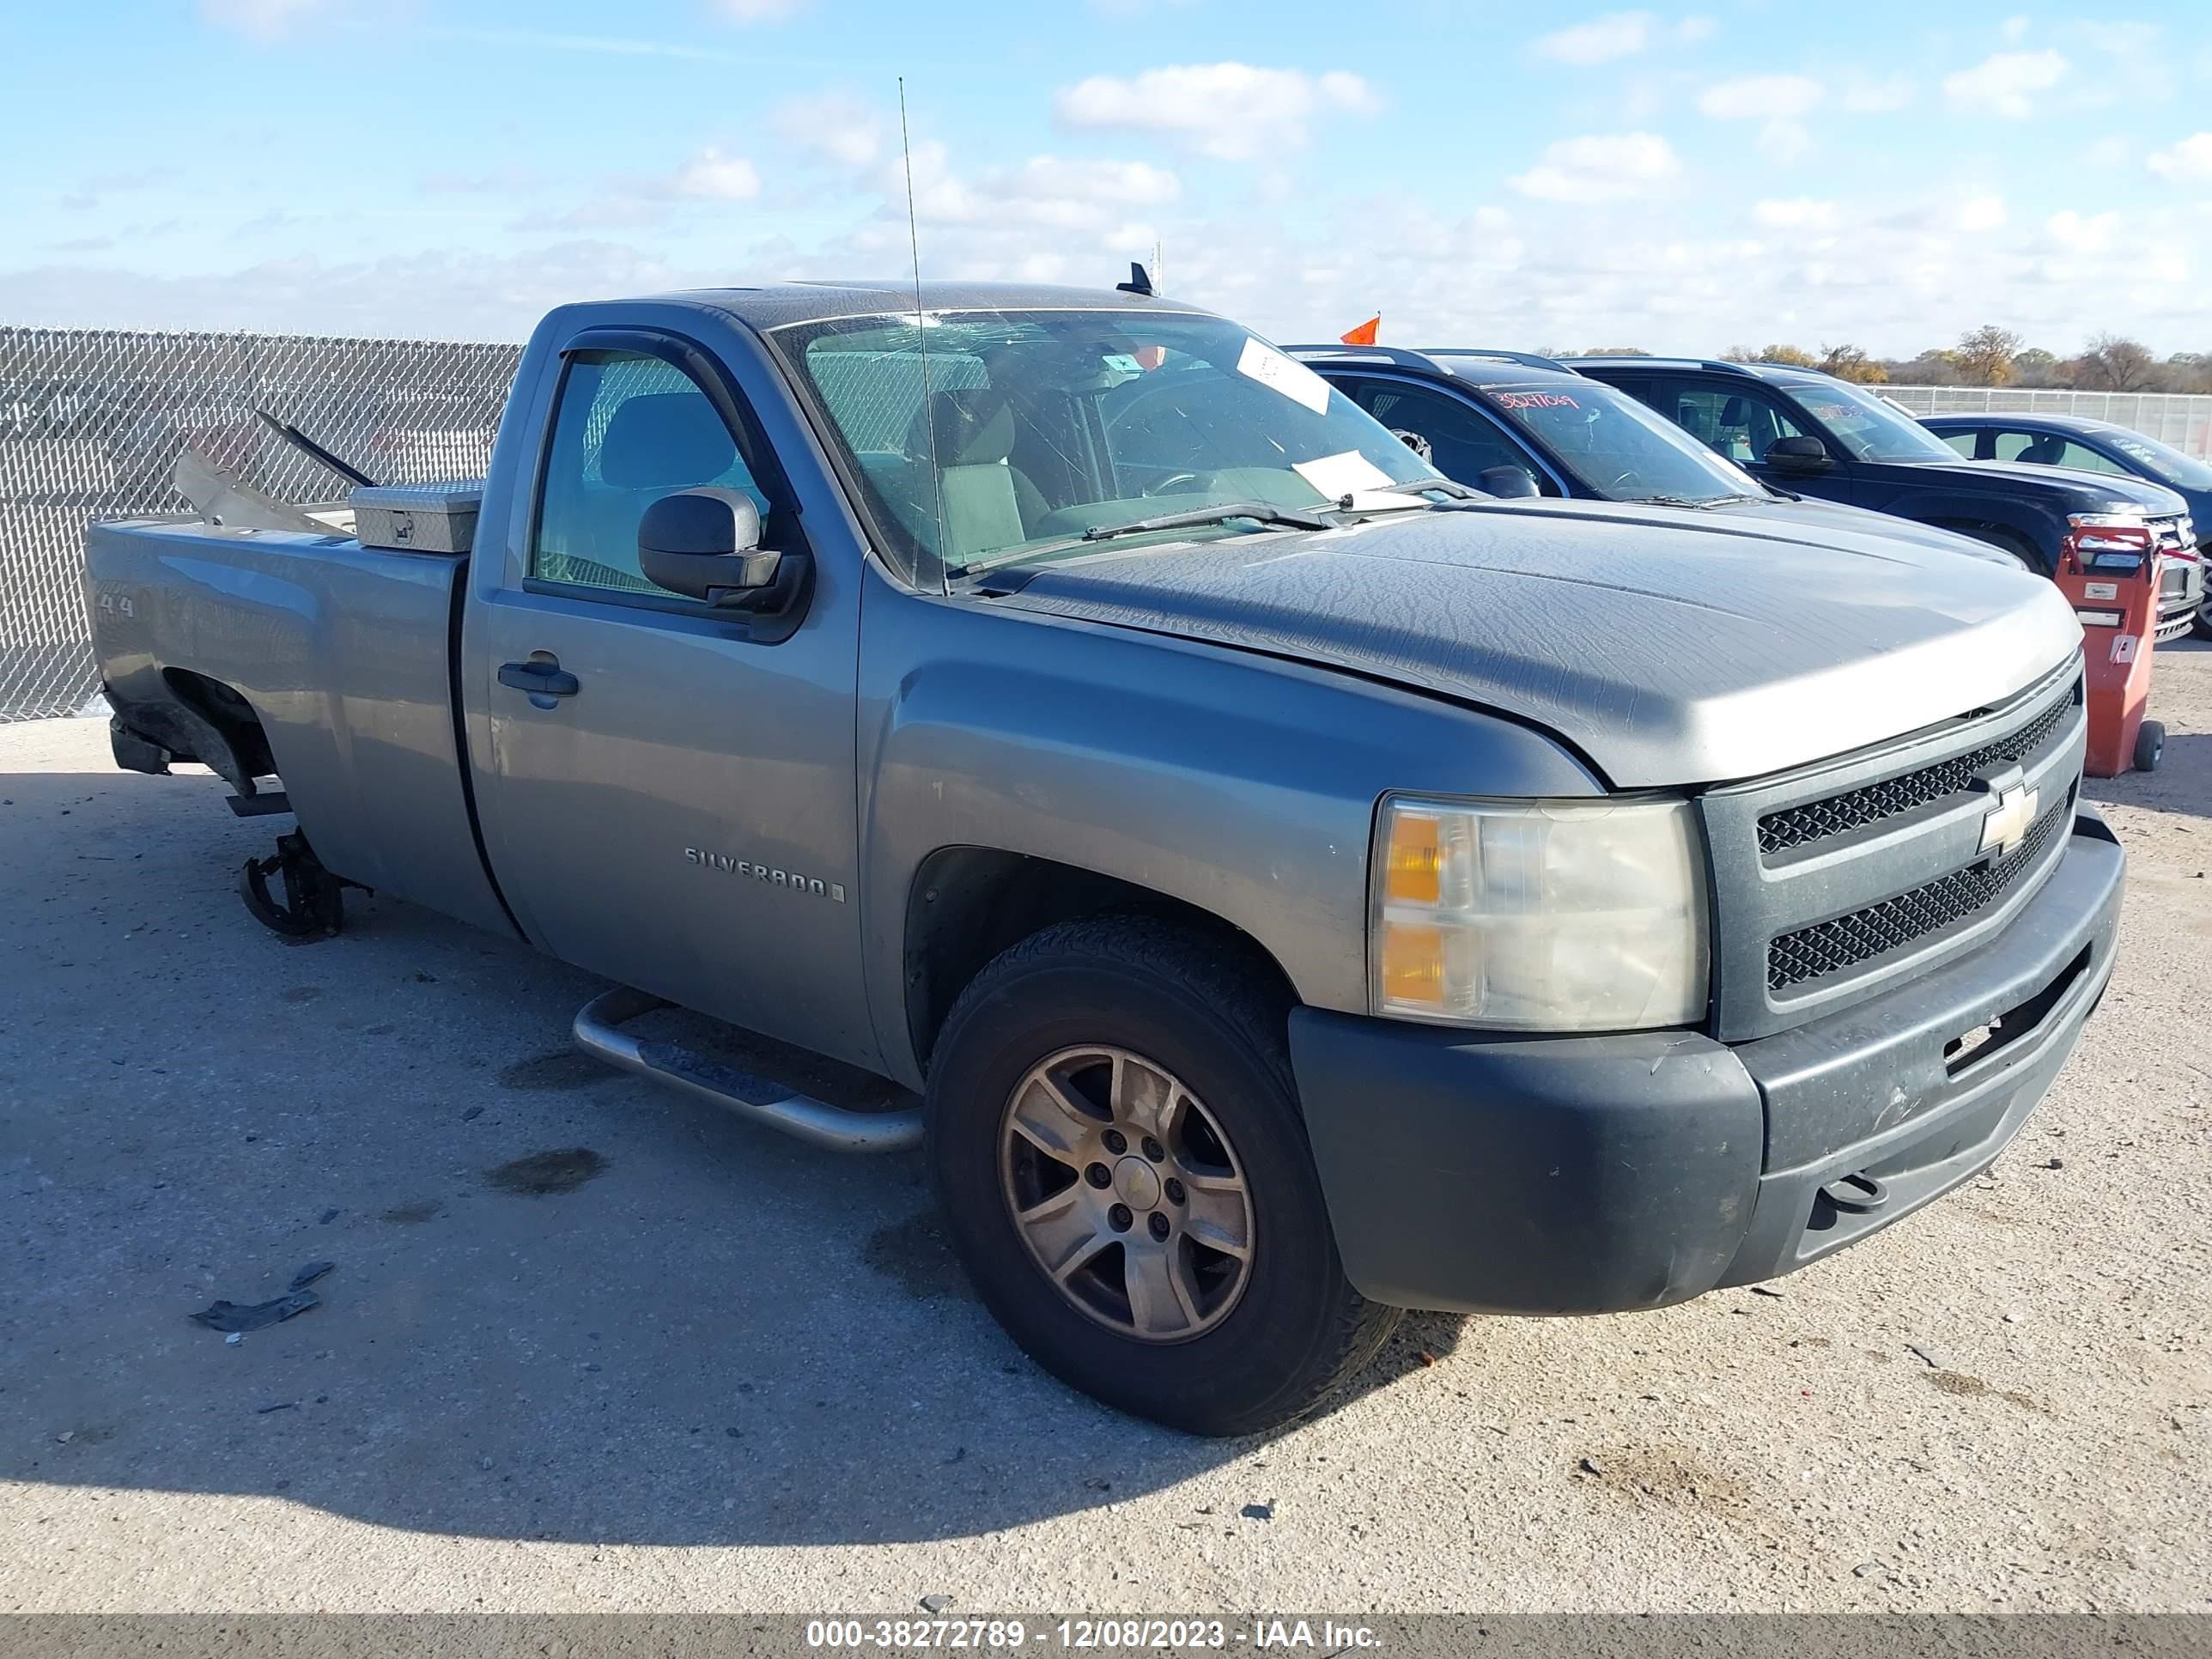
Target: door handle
(540,679)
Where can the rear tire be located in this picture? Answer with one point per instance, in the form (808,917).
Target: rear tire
(2201,623)
(1262,1338)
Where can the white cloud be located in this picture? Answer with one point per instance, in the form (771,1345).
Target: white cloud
(712,176)
(1600,40)
(834,125)
(2189,162)
(1600,168)
(262,20)
(2080,233)
(1798,213)
(758,11)
(1046,191)
(1697,26)
(2015,30)
(1116,184)
(1762,97)
(1981,213)
(1864,96)
(2006,83)
(1230,112)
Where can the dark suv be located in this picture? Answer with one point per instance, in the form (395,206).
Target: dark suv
(1514,424)
(2094,446)
(1805,431)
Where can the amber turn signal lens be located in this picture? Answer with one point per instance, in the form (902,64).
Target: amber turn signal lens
(1412,964)
(1415,872)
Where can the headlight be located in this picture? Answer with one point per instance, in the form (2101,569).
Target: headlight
(1550,915)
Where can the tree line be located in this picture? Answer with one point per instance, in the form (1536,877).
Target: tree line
(1988,355)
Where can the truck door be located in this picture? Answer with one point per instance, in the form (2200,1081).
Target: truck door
(666,802)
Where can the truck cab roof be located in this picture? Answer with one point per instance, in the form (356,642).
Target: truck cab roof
(779,305)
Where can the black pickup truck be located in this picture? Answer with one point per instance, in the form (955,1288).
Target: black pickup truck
(1814,434)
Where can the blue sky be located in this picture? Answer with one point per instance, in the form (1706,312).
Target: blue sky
(1683,179)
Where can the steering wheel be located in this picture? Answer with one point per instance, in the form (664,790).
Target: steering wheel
(1163,485)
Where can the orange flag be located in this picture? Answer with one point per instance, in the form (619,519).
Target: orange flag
(1365,333)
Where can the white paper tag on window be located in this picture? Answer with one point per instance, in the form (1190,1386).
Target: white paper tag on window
(2101,590)
(1284,374)
(1339,476)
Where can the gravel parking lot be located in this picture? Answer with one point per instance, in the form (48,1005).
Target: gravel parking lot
(685,1364)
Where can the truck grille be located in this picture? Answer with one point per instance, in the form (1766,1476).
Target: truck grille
(1829,947)
(1844,880)
(1856,808)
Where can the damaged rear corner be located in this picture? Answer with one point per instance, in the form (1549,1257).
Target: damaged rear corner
(192,718)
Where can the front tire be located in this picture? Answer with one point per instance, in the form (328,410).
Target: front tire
(1197,1283)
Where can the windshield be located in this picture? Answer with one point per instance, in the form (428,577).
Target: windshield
(1869,429)
(1616,447)
(980,434)
(2162,460)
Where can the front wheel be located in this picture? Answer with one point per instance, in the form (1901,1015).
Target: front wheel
(1117,1145)
(2201,623)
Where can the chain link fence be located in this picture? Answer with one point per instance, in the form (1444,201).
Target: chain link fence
(92,423)
(2181,419)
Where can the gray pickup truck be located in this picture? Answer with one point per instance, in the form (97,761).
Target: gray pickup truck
(1276,885)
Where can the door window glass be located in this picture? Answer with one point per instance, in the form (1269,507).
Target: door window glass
(628,430)
(1742,425)
(1964,442)
(2088,459)
(1463,442)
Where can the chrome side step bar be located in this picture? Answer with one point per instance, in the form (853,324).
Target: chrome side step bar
(598,1033)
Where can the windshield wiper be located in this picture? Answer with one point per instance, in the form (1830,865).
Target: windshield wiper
(1451,487)
(1686,500)
(1262,512)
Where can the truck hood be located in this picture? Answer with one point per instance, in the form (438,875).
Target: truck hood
(1830,524)
(1670,648)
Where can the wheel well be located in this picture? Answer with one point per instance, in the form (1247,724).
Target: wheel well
(2003,538)
(969,903)
(218,728)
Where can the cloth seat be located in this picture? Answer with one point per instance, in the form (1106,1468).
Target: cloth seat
(985,502)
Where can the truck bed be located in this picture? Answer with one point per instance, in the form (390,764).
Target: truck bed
(345,655)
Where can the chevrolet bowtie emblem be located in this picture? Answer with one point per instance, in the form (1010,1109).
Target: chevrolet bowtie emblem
(2009,816)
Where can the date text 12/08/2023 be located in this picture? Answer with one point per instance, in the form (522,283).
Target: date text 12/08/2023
(1086,1634)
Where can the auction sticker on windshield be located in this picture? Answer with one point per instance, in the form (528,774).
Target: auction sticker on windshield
(1346,474)
(1267,366)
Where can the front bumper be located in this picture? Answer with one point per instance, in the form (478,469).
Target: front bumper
(1497,1174)
(2181,595)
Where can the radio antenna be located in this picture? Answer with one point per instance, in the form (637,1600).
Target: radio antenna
(921,336)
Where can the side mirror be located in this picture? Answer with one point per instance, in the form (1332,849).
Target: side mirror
(705,544)
(1412,440)
(1799,454)
(1512,481)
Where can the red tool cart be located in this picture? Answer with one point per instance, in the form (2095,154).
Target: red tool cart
(2110,570)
